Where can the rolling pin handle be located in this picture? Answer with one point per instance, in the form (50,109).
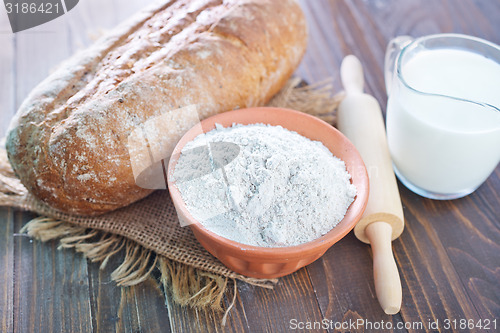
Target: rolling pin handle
(385,271)
(351,74)
(360,119)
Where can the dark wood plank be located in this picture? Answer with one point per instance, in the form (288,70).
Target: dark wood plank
(293,299)
(186,319)
(470,254)
(6,269)
(472,247)
(434,288)
(256,309)
(343,282)
(335,33)
(104,297)
(149,304)
(456,257)
(51,291)
(135,309)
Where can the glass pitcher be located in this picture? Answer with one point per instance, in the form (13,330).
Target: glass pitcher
(443,112)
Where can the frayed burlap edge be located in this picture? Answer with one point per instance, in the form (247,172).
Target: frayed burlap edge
(186,285)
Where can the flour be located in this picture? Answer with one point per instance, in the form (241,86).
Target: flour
(271,187)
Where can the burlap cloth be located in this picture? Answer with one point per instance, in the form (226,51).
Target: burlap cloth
(148,230)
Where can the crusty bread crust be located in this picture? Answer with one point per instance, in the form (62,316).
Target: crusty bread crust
(68,141)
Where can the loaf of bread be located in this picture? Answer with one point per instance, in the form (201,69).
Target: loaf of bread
(71,140)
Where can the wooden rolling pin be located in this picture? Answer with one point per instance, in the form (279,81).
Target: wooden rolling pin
(360,119)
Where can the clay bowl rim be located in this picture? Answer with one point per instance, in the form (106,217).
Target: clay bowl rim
(353,214)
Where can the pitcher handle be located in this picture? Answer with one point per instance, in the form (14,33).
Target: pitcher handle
(391,55)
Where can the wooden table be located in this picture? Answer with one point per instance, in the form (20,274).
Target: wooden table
(448,256)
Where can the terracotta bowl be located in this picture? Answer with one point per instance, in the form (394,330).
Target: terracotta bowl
(262,262)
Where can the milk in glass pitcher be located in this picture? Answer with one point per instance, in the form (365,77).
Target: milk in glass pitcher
(443,112)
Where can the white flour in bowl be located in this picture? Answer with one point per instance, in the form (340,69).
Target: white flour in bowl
(263,185)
